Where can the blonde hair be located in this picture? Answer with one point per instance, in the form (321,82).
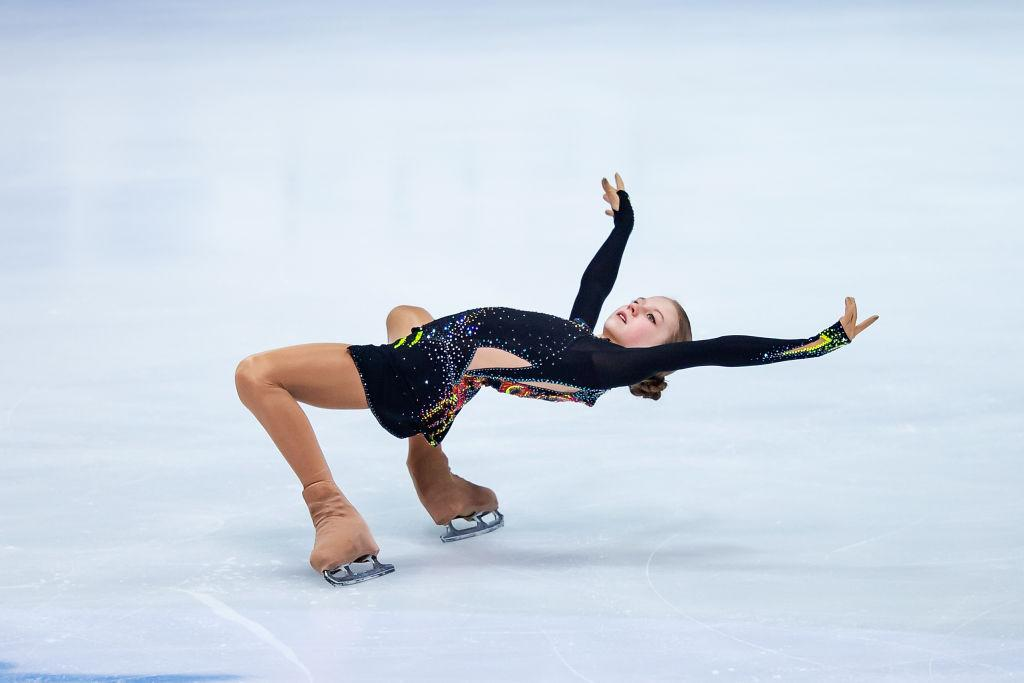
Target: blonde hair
(655,384)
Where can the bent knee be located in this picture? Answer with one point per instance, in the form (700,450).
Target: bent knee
(250,373)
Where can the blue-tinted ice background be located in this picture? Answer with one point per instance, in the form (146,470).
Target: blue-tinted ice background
(184,184)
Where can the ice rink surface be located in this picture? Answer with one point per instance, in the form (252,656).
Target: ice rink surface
(185,184)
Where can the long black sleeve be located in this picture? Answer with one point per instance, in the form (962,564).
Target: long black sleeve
(599,277)
(617,366)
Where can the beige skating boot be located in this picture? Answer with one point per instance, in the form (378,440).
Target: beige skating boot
(342,536)
(448,497)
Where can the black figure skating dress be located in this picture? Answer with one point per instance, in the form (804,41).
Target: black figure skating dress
(419,383)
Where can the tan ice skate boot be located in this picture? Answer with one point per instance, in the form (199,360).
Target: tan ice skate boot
(448,497)
(342,536)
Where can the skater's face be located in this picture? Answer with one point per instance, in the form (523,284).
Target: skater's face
(645,321)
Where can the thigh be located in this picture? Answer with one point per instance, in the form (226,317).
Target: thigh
(319,374)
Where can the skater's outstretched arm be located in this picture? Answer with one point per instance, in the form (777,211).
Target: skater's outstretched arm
(599,277)
(618,366)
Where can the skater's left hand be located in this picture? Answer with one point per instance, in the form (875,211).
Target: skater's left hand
(849,319)
(611,194)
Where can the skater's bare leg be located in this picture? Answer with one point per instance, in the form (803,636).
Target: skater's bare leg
(271,384)
(444,495)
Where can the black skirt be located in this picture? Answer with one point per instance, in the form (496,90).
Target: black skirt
(389,394)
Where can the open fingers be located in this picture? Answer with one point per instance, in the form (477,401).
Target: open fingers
(610,196)
(864,325)
(849,315)
(849,319)
(619,185)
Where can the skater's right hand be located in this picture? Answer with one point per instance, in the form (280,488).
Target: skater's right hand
(849,319)
(611,193)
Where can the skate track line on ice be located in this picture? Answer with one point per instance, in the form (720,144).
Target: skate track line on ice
(935,655)
(225,612)
(970,654)
(763,648)
(567,664)
(881,535)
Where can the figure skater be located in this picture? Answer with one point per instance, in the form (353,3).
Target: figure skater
(416,384)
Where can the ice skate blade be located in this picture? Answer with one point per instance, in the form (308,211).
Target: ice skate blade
(344,576)
(481,527)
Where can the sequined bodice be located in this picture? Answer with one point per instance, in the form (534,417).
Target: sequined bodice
(542,339)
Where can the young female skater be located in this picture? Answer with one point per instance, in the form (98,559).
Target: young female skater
(417,383)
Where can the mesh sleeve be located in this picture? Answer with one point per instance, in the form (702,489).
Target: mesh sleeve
(599,277)
(616,366)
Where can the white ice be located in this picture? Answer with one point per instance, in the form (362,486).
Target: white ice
(184,184)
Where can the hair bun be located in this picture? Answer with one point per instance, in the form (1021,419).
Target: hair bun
(649,388)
